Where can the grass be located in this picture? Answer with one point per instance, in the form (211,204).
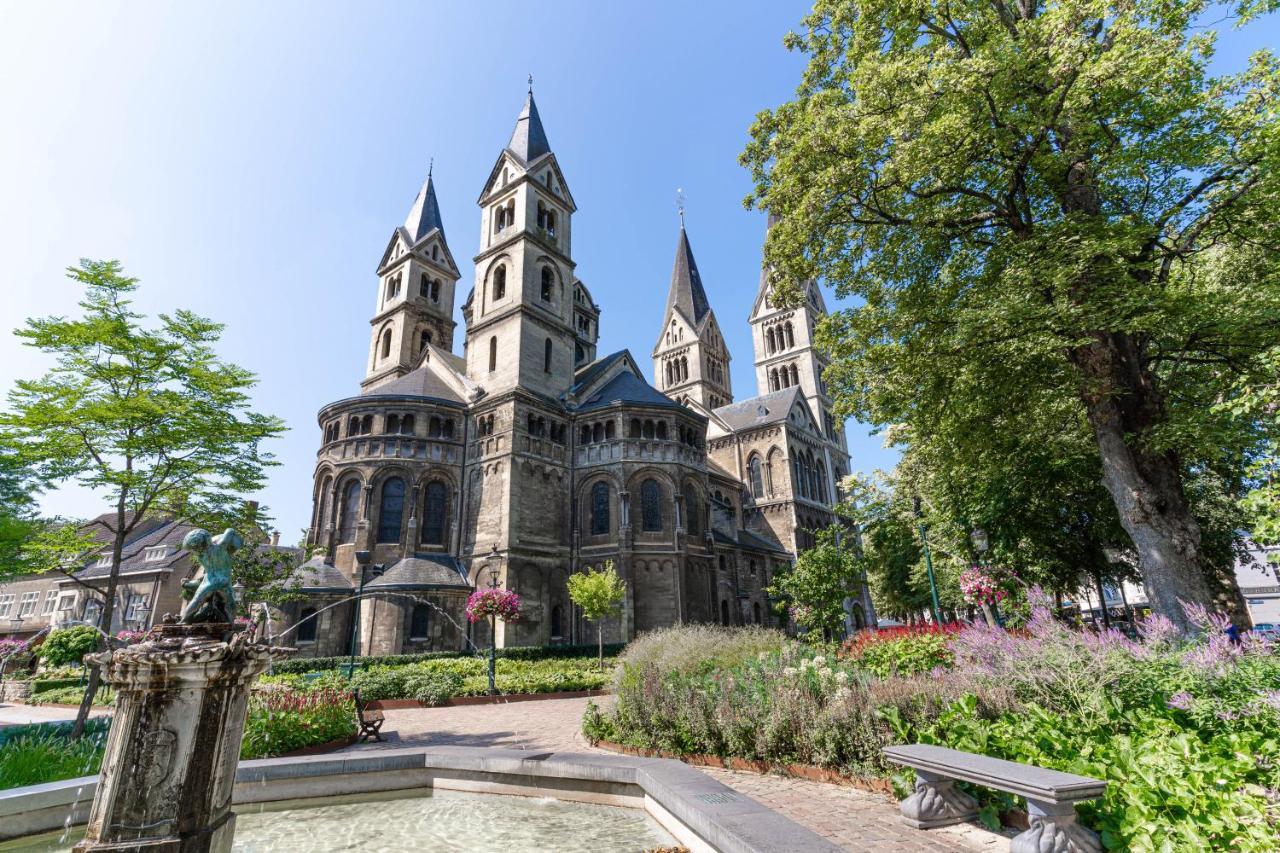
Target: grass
(34,759)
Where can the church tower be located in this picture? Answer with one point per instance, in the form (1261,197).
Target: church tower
(417,278)
(785,356)
(520,315)
(690,359)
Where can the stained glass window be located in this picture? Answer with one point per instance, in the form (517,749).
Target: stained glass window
(600,509)
(650,506)
(350,512)
(391,512)
(757,481)
(433,515)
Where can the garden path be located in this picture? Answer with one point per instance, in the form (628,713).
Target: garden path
(853,819)
(21,715)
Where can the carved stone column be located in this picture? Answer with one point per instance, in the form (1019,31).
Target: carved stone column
(937,802)
(171,756)
(1052,828)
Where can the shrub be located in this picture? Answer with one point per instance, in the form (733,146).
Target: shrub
(68,645)
(433,688)
(71,695)
(901,651)
(527,653)
(281,721)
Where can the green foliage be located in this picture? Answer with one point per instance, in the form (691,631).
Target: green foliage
(68,645)
(886,653)
(817,584)
(599,594)
(281,721)
(103,697)
(33,759)
(525,653)
(1053,203)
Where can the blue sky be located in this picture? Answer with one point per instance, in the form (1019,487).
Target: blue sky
(249,160)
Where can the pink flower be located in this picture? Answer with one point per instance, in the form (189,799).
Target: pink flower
(502,603)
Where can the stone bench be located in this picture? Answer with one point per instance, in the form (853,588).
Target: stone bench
(1051,796)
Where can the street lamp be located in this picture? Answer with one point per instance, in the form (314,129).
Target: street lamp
(362,560)
(981,542)
(928,560)
(493,562)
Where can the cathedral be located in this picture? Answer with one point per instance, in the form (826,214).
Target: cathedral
(531,456)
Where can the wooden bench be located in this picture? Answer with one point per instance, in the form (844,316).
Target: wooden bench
(369,719)
(1051,795)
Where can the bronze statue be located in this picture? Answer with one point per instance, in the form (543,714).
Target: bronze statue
(214,600)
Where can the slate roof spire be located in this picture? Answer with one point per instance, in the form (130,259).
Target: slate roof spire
(686,291)
(529,140)
(425,213)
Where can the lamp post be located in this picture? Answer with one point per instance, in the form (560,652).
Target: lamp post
(362,560)
(493,562)
(928,560)
(981,542)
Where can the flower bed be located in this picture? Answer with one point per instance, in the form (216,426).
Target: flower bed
(528,653)
(285,721)
(1187,733)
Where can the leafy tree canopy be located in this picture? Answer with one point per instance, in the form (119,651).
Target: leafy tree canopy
(819,581)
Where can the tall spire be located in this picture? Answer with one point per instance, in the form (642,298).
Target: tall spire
(529,140)
(686,291)
(425,213)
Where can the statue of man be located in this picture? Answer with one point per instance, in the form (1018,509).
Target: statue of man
(213,600)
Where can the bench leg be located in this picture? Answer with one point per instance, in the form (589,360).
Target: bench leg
(1053,829)
(937,802)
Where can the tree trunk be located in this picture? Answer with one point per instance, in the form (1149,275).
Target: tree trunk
(108,611)
(1123,406)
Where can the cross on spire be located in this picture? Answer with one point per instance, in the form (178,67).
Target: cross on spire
(680,200)
(530,84)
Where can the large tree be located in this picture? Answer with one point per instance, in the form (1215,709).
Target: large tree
(1053,193)
(140,415)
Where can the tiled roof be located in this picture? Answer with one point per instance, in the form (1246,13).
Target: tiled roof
(423,570)
(585,374)
(316,575)
(529,140)
(626,387)
(134,559)
(748,540)
(686,291)
(758,411)
(422,382)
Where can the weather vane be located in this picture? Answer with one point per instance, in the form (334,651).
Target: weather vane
(530,84)
(431,166)
(680,200)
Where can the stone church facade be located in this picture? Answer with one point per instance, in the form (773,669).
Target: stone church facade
(533,456)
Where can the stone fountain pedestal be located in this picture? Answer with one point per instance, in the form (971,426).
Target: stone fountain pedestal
(170,763)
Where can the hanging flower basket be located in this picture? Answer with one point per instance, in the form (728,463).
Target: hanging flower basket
(981,585)
(502,603)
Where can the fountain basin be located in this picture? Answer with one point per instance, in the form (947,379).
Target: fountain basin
(696,810)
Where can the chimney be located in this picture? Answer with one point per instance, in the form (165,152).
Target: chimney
(275,538)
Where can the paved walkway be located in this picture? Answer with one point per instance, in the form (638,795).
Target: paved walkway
(854,819)
(21,715)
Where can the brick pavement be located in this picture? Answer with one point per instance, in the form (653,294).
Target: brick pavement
(854,819)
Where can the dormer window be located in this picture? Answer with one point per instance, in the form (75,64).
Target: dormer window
(103,561)
(155,553)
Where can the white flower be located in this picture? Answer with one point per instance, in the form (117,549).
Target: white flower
(842,677)
(820,661)
(825,672)
(806,663)
(789,671)
(763,656)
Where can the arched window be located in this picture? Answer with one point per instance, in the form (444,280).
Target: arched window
(386,344)
(662,430)
(349,513)
(557,622)
(424,286)
(307,625)
(648,429)
(435,290)
(693,511)
(493,353)
(420,622)
(424,338)
(757,481)
(391,510)
(634,431)
(500,283)
(392,424)
(795,375)
(322,519)
(600,509)
(610,430)
(791,338)
(724,612)
(366,425)
(650,506)
(823,494)
(447,431)
(406,425)
(585,436)
(755,612)
(433,513)
(546,356)
(548,282)
(769,343)
(353,427)
(433,427)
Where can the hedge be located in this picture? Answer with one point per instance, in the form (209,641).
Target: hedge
(300,665)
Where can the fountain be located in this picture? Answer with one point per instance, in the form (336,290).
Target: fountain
(181,699)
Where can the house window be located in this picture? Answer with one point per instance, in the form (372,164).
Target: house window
(546,356)
(493,353)
(350,512)
(66,602)
(499,283)
(50,601)
(420,622)
(600,509)
(391,511)
(650,506)
(434,513)
(307,625)
(548,282)
(29,602)
(137,610)
(6,604)
(153,554)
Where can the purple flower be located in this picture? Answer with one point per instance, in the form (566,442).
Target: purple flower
(1180,701)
